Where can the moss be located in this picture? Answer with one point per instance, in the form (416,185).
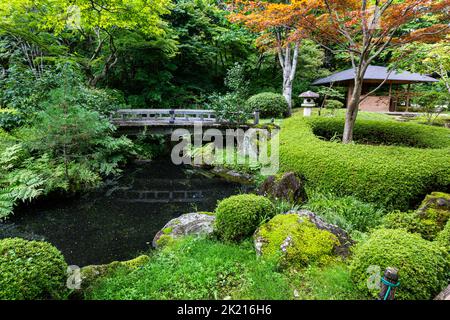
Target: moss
(91,274)
(428,220)
(296,240)
(167,230)
(207,213)
(164,240)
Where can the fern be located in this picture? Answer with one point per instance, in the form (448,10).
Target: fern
(6,203)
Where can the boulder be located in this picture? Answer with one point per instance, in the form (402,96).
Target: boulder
(345,242)
(289,188)
(436,207)
(89,274)
(294,241)
(232,175)
(196,223)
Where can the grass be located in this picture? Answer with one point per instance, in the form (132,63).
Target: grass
(347,212)
(326,283)
(198,269)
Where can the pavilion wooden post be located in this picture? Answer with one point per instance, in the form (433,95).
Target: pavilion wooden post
(408,92)
(390,96)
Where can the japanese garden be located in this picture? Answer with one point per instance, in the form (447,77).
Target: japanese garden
(225,150)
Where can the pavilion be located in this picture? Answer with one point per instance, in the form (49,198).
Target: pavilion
(387,98)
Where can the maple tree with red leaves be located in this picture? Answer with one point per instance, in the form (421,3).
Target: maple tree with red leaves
(362,29)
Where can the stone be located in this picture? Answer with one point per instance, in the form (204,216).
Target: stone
(345,241)
(233,176)
(196,223)
(288,188)
(444,295)
(294,241)
(435,206)
(91,273)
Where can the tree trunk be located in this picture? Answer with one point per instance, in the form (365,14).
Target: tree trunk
(288,61)
(352,112)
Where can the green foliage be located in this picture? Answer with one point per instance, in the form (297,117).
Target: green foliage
(231,106)
(31,270)
(195,268)
(389,176)
(296,241)
(10,119)
(412,222)
(347,212)
(269,104)
(443,237)
(428,220)
(423,266)
(237,217)
(384,133)
(331,282)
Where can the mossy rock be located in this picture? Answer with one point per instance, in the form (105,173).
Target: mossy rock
(289,187)
(430,219)
(196,223)
(295,241)
(91,273)
(436,206)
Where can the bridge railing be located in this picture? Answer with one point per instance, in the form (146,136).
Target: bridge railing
(168,115)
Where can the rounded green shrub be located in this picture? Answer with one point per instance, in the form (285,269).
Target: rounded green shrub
(295,240)
(31,270)
(394,177)
(237,217)
(423,266)
(269,104)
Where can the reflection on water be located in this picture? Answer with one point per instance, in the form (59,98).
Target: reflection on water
(119,220)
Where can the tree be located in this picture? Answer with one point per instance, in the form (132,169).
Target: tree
(280,30)
(92,23)
(364,29)
(428,58)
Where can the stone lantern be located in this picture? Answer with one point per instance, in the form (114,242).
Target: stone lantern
(309,102)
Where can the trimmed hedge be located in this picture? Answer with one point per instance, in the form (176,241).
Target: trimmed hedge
(31,270)
(391,176)
(237,217)
(423,266)
(391,133)
(269,104)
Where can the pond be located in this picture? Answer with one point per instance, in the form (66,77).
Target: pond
(119,220)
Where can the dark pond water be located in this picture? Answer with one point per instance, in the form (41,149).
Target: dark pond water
(119,220)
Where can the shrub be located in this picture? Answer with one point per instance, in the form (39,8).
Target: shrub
(411,222)
(390,176)
(31,270)
(384,133)
(443,238)
(428,220)
(269,104)
(347,212)
(237,217)
(296,240)
(195,268)
(423,266)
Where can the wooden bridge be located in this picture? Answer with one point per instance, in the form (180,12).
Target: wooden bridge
(166,120)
